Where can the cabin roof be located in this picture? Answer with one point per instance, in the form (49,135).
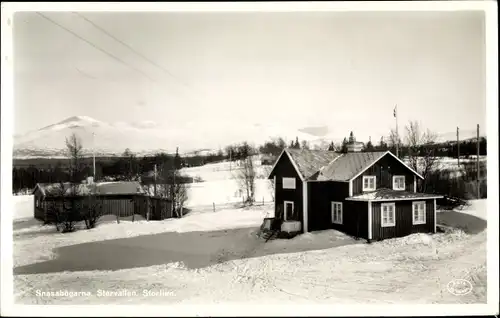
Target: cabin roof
(385,194)
(52,189)
(348,165)
(118,187)
(128,187)
(308,162)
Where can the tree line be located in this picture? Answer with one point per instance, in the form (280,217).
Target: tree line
(129,166)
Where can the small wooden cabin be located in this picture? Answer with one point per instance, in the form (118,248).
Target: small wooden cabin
(370,195)
(122,199)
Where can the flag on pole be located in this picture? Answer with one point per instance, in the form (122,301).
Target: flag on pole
(395,110)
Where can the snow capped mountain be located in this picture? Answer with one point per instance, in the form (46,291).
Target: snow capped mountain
(147,137)
(75,121)
(105,138)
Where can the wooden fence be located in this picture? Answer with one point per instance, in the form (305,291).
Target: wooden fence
(122,206)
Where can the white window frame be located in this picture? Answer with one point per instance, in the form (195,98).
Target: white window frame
(287,183)
(284,208)
(374,183)
(394,187)
(388,224)
(37,202)
(337,207)
(414,205)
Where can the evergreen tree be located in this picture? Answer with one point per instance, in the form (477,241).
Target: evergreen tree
(297,144)
(368,146)
(177,159)
(382,146)
(331,147)
(343,148)
(351,138)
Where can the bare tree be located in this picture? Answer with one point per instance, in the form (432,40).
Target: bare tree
(131,173)
(245,176)
(74,151)
(63,212)
(55,210)
(70,212)
(421,155)
(169,185)
(92,211)
(394,140)
(178,193)
(305,144)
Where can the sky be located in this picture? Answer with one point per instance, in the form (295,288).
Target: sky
(344,70)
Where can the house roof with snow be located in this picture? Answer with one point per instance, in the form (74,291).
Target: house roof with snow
(348,165)
(52,189)
(391,195)
(323,165)
(102,188)
(308,162)
(128,187)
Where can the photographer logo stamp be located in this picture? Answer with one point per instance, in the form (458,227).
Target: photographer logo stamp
(459,287)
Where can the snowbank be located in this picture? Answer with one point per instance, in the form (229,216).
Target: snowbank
(24,206)
(471,219)
(319,267)
(415,270)
(477,208)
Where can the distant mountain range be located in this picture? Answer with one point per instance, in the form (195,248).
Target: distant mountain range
(464,135)
(110,139)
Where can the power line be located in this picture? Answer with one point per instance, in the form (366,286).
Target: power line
(131,48)
(95,46)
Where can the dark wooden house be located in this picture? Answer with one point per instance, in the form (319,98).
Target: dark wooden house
(122,199)
(370,195)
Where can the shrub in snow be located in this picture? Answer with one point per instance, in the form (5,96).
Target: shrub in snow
(91,212)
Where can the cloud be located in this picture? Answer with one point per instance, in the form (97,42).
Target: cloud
(145,124)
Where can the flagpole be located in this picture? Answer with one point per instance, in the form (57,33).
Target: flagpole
(397,133)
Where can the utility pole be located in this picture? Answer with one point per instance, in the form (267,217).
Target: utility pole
(458,149)
(93,152)
(173,185)
(477,163)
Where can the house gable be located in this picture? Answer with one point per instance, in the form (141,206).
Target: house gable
(383,170)
(394,157)
(285,167)
(38,191)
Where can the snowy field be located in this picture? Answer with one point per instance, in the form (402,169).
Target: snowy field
(213,257)
(220,186)
(451,164)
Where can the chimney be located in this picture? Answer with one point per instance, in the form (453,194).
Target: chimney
(353,145)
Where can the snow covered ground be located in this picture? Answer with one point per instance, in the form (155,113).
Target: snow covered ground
(220,186)
(213,257)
